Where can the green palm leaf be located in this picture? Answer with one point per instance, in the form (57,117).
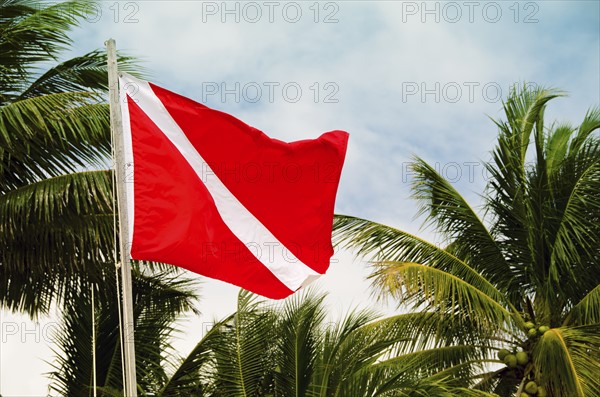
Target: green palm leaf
(53,232)
(428,287)
(299,330)
(570,361)
(244,352)
(586,311)
(56,229)
(80,74)
(452,216)
(388,244)
(158,300)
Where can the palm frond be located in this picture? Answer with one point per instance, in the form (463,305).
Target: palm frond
(244,356)
(508,195)
(587,311)
(557,146)
(192,373)
(299,329)
(51,135)
(434,289)
(31,32)
(574,246)
(457,362)
(54,234)
(389,245)
(158,299)
(522,110)
(567,361)
(84,73)
(590,123)
(452,216)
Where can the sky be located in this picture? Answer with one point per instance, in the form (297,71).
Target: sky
(403,78)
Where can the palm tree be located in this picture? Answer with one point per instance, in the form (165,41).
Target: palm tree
(513,295)
(291,349)
(56,225)
(159,299)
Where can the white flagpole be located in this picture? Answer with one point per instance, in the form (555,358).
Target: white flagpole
(116,126)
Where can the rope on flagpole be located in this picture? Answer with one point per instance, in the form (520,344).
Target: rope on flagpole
(115,248)
(94,343)
(121,337)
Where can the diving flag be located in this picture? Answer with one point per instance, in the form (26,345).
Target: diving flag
(213,195)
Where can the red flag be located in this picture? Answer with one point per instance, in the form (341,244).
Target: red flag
(213,195)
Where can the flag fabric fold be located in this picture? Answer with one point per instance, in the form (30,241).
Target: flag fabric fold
(211,194)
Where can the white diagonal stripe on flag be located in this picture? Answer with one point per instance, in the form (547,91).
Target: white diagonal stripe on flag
(280,261)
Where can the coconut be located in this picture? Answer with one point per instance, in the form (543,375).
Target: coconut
(503,353)
(522,358)
(529,325)
(541,392)
(511,361)
(543,329)
(525,395)
(532,332)
(531,387)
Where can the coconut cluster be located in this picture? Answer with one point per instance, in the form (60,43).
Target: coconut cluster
(520,359)
(514,359)
(533,331)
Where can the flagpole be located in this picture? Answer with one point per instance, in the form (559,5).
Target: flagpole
(116,127)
